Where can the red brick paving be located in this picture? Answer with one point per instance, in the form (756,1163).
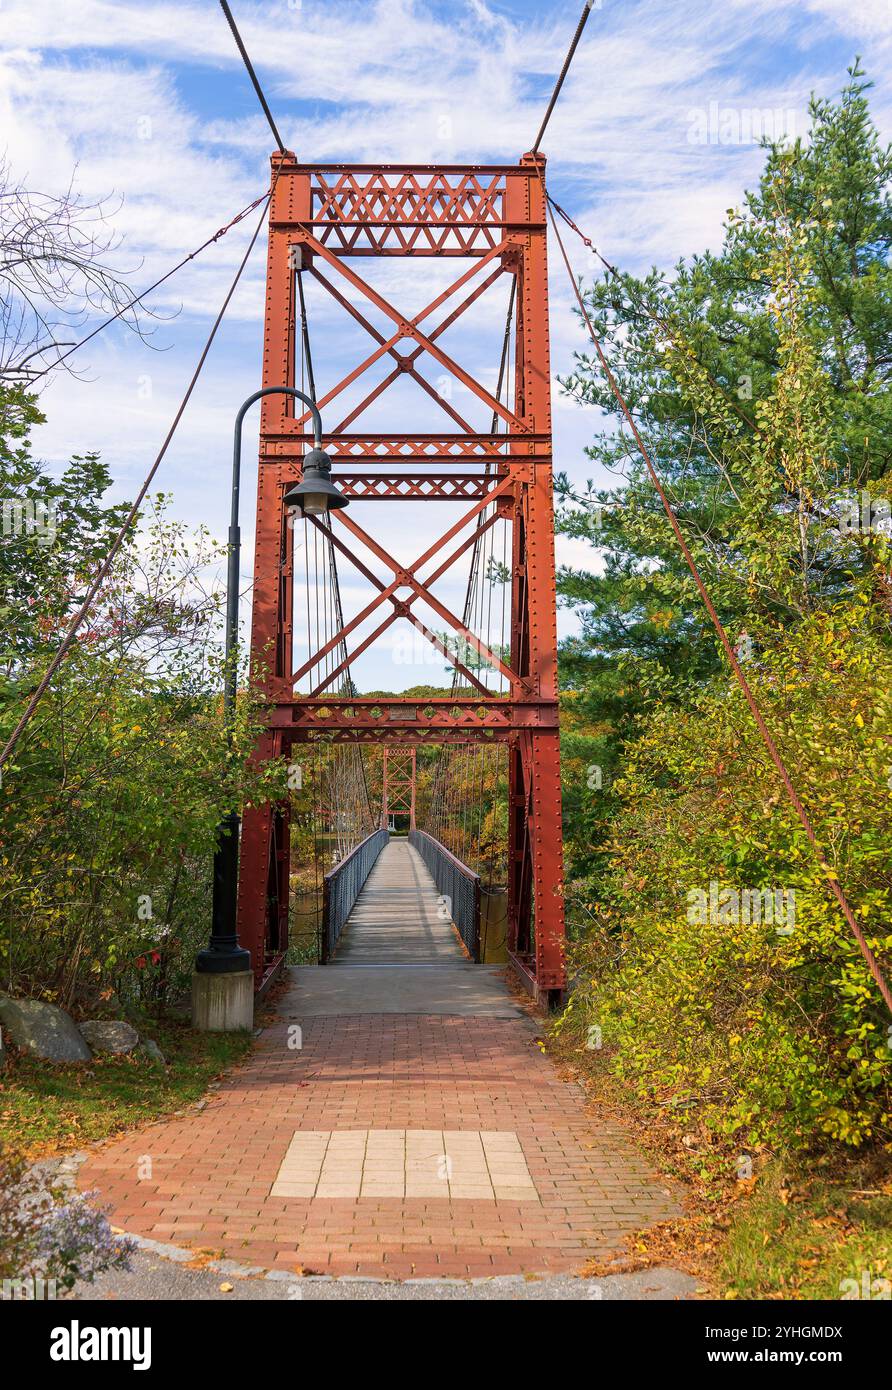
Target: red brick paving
(212,1170)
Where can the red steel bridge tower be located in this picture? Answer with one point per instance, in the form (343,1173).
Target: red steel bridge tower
(398,794)
(325,221)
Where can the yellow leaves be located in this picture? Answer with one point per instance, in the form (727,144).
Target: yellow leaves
(202,1259)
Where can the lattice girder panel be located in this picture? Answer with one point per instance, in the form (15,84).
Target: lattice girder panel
(487,450)
(443,487)
(436,713)
(398,793)
(431,734)
(394,211)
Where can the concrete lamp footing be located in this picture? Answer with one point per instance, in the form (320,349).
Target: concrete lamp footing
(223,1003)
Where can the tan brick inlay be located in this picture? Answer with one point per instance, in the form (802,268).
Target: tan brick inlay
(482,1165)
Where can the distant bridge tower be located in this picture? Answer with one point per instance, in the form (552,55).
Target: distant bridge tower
(398,794)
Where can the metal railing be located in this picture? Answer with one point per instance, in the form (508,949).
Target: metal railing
(342,886)
(456,883)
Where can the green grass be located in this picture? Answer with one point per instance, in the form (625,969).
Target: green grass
(47,1109)
(803,1239)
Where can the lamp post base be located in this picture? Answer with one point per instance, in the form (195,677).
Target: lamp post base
(223,955)
(223,1003)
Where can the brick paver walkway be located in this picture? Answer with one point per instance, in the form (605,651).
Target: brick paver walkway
(205,1179)
(437,1140)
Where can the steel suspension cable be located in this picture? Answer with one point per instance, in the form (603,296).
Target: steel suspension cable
(765,733)
(574,44)
(305,336)
(348,763)
(477,611)
(473,572)
(659,319)
(612,270)
(120,537)
(144,294)
(252,74)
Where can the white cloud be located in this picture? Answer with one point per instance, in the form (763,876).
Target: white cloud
(150,101)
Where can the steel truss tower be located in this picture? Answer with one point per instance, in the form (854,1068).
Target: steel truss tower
(326,219)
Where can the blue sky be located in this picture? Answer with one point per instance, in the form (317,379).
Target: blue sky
(149,101)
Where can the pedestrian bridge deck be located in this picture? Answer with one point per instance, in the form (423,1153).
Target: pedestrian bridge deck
(399,917)
(396,1119)
(400,954)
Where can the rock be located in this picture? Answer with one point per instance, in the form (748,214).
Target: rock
(150,1049)
(107,1035)
(2,1052)
(43,1030)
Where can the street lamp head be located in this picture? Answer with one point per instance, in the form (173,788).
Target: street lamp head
(315,494)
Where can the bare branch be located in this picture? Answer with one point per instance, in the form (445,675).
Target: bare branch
(57,270)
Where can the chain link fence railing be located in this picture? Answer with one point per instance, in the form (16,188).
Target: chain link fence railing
(456,884)
(342,887)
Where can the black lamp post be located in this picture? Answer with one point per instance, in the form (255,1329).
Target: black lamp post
(314,495)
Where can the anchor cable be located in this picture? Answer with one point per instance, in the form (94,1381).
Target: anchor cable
(144,294)
(102,572)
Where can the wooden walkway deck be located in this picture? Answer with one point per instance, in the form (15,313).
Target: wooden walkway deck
(398,918)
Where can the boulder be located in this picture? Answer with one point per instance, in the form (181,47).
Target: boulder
(43,1030)
(152,1051)
(113,1036)
(2,1052)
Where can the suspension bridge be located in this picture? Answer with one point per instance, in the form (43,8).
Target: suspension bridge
(402,906)
(470,773)
(401,910)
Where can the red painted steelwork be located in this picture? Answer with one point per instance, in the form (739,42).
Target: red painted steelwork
(398,798)
(495,217)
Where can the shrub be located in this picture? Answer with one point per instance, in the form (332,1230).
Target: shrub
(779,1034)
(45,1237)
